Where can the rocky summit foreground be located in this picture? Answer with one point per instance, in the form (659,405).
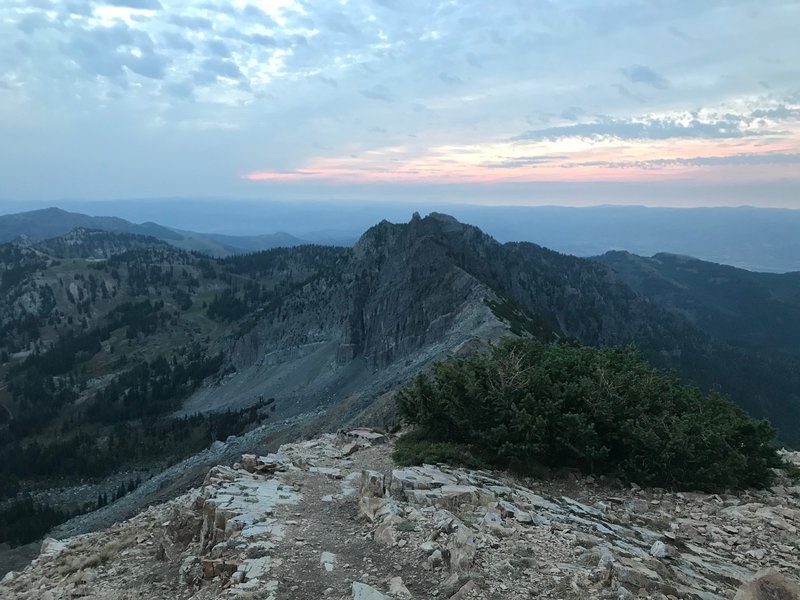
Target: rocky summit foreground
(333,518)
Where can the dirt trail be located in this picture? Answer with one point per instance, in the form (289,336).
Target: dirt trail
(327,521)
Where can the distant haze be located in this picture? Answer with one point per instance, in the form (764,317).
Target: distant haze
(671,103)
(751,238)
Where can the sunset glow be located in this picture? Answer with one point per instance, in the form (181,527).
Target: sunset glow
(365,99)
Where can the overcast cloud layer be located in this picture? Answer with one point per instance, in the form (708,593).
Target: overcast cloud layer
(529,101)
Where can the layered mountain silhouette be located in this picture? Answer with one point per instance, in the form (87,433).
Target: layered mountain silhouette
(53,222)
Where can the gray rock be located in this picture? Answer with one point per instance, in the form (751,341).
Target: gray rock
(371,484)
(756,553)
(435,559)
(398,589)
(362,591)
(659,550)
(462,549)
(769,584)
(327,560)
(427,547)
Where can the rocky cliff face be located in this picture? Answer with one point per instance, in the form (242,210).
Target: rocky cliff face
(333,518)
(408,293)
(398,291)
(385,309)
(408,289)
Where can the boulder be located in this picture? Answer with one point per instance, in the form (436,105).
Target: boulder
(661,550)
(184,526)
(462,548)
(398,589)
(371,484)
(367,507)
(384,534)
(262,465)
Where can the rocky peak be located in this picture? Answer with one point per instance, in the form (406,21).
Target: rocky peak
(392,237)
(409,290)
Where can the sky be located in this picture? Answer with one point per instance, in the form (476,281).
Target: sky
(660,102)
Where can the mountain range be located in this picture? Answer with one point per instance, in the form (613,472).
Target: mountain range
(121,352)
(53,222)
(757,239)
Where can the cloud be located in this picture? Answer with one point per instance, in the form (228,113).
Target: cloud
(218,48)
(626,93)
(138,4)
(105,51)
(377,92)
(679,33)
(340,23)
(213,68)
(645,75)
(219,7)
(261,39)
(79,7)
(473,60)
(152,66)
(571,113)
(32,22)
(194,23)
(744,159)
(254,14)
(524,161)
(652,128)
(328,81)
(440,85)
(778,113)
(176,41)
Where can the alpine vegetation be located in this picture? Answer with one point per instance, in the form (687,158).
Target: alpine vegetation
(525,405)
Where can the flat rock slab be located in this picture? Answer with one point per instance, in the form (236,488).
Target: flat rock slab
(362,591)
(369,435)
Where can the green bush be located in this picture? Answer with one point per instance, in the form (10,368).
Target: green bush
(603,410)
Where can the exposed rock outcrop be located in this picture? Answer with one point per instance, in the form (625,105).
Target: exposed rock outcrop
(327,519)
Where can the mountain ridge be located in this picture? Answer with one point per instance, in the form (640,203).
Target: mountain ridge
(155,341)
(759,309)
